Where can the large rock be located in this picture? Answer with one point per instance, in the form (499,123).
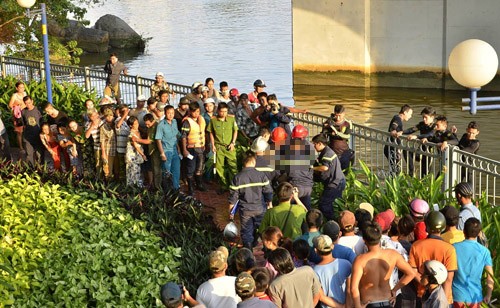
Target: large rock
(90,40)
(121,35)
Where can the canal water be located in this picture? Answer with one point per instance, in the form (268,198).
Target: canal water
(240,41)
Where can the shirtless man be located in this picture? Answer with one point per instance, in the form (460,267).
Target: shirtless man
(371,272)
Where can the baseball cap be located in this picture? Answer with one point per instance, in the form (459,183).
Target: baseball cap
(141,98)
(218,259)
(332,229)
(244,284)
(347,220)
(451,214)
(184,101)
(170,293)
(209,100)
(384,219)
(323,243)
(159,74)
(367,207)
(204,89)
(234,92)
(259,83)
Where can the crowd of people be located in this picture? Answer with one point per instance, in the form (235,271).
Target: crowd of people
(428,258)
(433,128)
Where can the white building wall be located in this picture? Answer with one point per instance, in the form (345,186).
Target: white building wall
(374,37)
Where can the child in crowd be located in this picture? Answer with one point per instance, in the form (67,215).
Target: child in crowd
(301,253)
(77,134)
(406,225)
(51,146)
(435,274)
(262,279)
(418,209)
(68,143)
(244,260)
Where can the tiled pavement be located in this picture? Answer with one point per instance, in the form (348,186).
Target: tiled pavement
(217,206)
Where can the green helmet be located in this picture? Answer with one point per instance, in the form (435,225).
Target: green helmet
(435,222)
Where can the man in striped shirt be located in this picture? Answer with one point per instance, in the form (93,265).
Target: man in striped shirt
(122,131)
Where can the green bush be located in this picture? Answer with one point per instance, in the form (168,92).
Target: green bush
(61,246)
(392,192)
(174,221)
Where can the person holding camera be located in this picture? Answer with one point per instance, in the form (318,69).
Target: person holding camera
(276,115)
(287,216)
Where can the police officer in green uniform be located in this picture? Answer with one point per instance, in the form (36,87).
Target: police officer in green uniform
(223,132)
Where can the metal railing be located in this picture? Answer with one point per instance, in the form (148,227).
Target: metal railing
(372,146)
(368,143)
(90,78)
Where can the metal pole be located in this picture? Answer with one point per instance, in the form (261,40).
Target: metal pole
(473,100)
(48,79)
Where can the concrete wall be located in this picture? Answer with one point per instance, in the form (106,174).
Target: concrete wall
(403,43)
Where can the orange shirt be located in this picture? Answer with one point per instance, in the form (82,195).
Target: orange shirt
(432,249)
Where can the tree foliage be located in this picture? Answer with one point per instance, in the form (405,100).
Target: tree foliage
(22,35)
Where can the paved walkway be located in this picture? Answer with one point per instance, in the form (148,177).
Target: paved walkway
(217,206)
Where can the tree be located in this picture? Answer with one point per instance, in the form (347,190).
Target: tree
(22,36)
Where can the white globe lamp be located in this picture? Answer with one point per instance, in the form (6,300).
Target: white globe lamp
(473,63)
(26,3)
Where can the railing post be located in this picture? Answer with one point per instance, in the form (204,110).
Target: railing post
(137,86)
(4,68)
(42,69)
(87,78)
(448,168)
(454,168)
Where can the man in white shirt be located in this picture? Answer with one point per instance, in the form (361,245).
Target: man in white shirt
(348,238)
(219,291)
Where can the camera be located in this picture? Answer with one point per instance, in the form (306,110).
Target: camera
(275,108)
(181,287)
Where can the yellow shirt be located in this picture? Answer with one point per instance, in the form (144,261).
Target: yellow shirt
(453,237)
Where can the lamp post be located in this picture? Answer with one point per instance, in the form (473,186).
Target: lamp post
(27,4)
(473,63)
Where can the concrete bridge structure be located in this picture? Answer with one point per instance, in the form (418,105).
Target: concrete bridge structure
(392,43)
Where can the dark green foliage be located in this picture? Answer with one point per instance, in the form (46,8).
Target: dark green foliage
(178,222)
